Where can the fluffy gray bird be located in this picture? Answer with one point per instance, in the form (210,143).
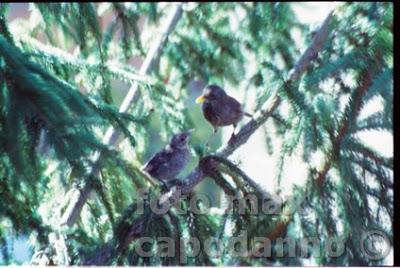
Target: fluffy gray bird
(169,162)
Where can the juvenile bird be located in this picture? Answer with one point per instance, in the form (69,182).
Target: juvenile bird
(219,108)
(169,162)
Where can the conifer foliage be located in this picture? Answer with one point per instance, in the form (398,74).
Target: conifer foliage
(67,80)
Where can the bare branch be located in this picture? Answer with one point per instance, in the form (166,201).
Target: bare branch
(312,51)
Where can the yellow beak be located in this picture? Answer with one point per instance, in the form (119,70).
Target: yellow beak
(200,99)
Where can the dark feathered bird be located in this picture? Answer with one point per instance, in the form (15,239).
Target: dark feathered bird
(219,108)
(169,162)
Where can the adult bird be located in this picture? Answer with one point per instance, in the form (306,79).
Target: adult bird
(170,161)
(220,109)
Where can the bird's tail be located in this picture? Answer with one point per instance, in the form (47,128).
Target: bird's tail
(248,114)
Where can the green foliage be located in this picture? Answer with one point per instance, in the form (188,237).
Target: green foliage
(66,69)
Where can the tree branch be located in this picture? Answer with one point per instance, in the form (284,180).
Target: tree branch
(312,51)
(260,117)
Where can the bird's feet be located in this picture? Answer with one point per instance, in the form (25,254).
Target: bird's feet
(232,138)
(164,187)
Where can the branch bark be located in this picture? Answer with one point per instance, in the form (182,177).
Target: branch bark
(244,134)
(110,138)
(312,51)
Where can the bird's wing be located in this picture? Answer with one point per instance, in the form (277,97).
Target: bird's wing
(160,158)
(212,112)
(236,106)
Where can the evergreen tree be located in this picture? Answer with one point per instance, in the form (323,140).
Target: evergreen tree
(77,122)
